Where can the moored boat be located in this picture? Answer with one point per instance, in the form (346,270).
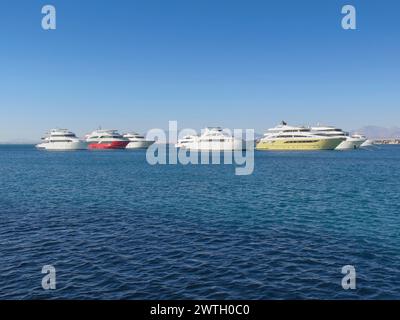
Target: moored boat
(106,139)
(285,137)
(137,141)
(351,141)
(212,139)
(62,140)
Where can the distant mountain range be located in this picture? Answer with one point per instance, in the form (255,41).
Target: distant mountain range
(375,132)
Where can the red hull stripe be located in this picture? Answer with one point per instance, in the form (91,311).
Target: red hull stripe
(109,145)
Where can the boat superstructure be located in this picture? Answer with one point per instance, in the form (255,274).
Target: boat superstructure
(137,141)
(285,137)
(351,141)
(61,139)
(212,139)
(186,140)
(106,139)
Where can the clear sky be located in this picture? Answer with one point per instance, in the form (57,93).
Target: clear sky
(134,65)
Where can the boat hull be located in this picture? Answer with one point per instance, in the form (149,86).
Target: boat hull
(350,144)
(299,144)
(235,145)
(62,146)
(367,143)
(139,144)
(108,145)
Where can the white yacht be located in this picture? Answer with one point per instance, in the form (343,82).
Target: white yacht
(285,137)
(351,142)
(137,141)
(61,139)
(212,139)
(182,143)
(367,143)
(106,139)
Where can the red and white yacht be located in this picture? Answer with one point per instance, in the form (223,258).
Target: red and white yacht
(106,139)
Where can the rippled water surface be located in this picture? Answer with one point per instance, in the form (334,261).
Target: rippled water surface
(115,227)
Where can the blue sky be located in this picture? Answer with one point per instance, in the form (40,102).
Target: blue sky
(134,65)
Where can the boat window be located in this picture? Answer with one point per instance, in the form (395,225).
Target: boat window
(60,141)
(302,141)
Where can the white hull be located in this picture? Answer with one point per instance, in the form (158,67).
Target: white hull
(235,145)
(350,144)
(367,143)
(63,146)
(139,144)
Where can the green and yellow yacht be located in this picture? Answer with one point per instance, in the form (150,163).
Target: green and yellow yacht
(284,137)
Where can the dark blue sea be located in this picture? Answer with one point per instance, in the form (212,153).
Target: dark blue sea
(115,227)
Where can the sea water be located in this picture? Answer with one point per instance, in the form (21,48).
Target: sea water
(115,227)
